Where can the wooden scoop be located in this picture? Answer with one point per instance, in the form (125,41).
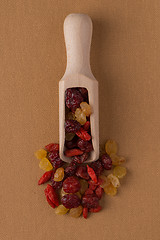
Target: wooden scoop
(78,33)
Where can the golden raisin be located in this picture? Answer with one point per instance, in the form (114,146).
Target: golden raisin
(110,190)
(59,174)
(45,165)
(78,194)
(61,210)
(84,186)
(80,116)
(76,212)
(114,180)
(105,182)
(69,136)
(117,160)
(111,147)
(70,116)
(86,108)
(41,154)
(119,171)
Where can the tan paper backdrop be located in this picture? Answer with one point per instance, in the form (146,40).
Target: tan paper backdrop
(126,61)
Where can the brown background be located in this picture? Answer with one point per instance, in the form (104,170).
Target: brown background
(125,59)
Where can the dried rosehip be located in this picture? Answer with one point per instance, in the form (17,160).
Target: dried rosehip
(90,201)
(84,145)
(106,161)
(71,185)
(72,126)
(80,159)
(97,167)
(82,172)
(52,147)
(99,192)
(70,201)
(71,169)
(73,98)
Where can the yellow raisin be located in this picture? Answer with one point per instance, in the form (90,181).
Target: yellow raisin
(119,171)
(62,193)
(59,174)
(106,181)
(84,186)
(110,190)
(69,136)
(86,108)
(117,160)
(111,147)
(61,210)
(76,212)
(45,165)
(78,194)
(80,116)
(114,180)
(41,154)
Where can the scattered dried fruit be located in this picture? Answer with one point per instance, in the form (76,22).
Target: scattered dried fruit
(106,161)
(111,147)
(45,165)
(119,171)
(85,212)
(52,147)
(80,116)
(61,210)
(84,186)
(70,201)
(72,126)
(73,152)
(86,108)
(90,201)
(117,160)
(51,194)
(45,178)
(83,135)
(71,185)
(59,175)
(76,212)
(40,154)
(114,180)
(110,190)
(92,174)
(94,210)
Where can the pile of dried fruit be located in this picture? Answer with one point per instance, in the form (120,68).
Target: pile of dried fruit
(77,187)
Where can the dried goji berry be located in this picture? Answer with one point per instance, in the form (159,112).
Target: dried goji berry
(94,210)
(85,212)
(50,202)
(99,192)
(86,126)
(73,152)
(92,174)
(45,178)
(83,134)
(52,147)
(52,195)
(88,192)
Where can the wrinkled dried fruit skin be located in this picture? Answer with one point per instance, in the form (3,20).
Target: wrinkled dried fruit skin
(45,178)
(97,167)
(119,171)
(83,135)
(117,160)
(84,93)
(56,185)
(106,161)
(99,192)
(71,144)
(85,213)
(70,170)
(86,126)
(73,152)
(89,192)
(59,175)
(84,145)
(57,163)
(105,181)
(40,154)
(82,172)
(90,201)
(50,202)
(70,116)
(94,210)
(53,156)
(111,147)
(84,186)
(61,210)
(70,201)
(114,180)
(45,165)
(76,212)
(71,185)
(72,126)
(110,190)
(73,98)
(51,194)
(80,159)
(91,173)
(52,147)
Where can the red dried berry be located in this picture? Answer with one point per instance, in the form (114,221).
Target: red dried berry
(92,185)
(90,201)
(97,167)
(71,185)
(70,201)
(80,159)
(56,185)
(57,163)
(71,169)
(50,202)
(73,152)
(52,195)
(84,93)
(88,192)
(99,192)
(92,174)
(106,161)
(85,212)
(82,172)
(52,147)
(45,178)
(94,210)
(84,145)
(83,135)
(86,126)
(53,155)
(72,126)
(73,98)
(71,144)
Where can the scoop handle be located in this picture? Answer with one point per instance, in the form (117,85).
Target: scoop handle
(78,34)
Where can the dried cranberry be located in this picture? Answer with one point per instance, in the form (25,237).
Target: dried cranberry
(106,161)
(73,98)
(71,169)
(70,201)
(53,155)
(99,192)
(72,126)
(80,159)
(86,126)
(90,201)
(57,163)
(56,185)
(71,144)
(82,172)
(84,145)
(97,167)
(52,147)
(88,192)
(84,93)
(71,185)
